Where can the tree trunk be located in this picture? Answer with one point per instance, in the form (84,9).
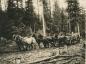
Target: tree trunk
(78,28)
(69,27)
(85,26)
(34,27)
(44,27)
(30,30)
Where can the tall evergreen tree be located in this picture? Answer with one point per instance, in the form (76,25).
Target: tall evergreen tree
(14,12)
(73,12)
(15,16)
(30,16)
(82,22)
(11,10)
(56,17)
(63,20)
(47,15)
(5,31)
(0,13)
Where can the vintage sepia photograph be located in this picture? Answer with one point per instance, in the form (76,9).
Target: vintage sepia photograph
(42,31)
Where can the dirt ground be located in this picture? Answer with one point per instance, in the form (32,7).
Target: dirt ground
(42,56)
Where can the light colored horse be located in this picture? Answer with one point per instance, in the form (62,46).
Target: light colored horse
(31,41)
(75,35)
(27,42)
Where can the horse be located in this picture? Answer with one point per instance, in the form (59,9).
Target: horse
(49,41)
(39,40)
(31,41)
(68,40)
(17,39)
(75,38)
(28,43)
(55,39)
(46,41)
(62,40)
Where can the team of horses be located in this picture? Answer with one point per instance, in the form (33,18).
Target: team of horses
(33,42)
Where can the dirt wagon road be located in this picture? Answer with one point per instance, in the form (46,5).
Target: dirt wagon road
(63,60)
(62,55)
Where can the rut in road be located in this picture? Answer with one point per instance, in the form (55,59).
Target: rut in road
(60,60)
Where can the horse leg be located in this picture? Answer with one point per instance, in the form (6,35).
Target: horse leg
(53,43)
(25,47)
(37,46)
(39,43)
(33,46)
(44,44)
(57,43)
(19,46)
(47,44)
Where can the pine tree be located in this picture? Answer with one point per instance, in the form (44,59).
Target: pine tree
(47,15)
(11,10)
(1,13)
(82,22)
(30,16)
(15,16)
(5,31)
(56,17)
(73,12)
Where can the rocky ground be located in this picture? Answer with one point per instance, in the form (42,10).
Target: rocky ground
(73,54)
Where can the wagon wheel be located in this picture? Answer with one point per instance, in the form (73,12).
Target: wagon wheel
(29,47)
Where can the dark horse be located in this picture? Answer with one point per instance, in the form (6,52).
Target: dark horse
(18,42)
(62,40)
(47,41)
